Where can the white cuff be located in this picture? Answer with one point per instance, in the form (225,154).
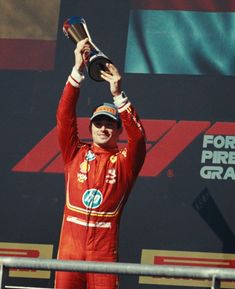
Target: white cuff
(76,77)
(120,99)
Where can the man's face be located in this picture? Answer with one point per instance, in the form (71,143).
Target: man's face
(105,131)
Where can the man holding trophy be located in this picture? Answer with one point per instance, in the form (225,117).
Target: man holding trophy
(99,176)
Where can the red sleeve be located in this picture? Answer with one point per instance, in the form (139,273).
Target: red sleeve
(136,148)
(67,123)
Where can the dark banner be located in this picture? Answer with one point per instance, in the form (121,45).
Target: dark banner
(177,63)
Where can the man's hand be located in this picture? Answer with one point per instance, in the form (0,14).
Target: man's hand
(82,54)
(112,76)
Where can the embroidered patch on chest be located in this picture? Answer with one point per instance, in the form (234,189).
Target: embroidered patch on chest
(90,156)
(92,198)
(113,159)
(81,177)
(84,167)
(111,176)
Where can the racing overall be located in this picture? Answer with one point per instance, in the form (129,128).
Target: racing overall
(98,182)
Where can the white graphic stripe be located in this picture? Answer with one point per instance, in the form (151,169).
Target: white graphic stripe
(88,224)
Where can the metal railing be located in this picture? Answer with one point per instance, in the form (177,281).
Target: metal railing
(208,273)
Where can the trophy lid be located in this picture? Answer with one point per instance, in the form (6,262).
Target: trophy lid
(75,28)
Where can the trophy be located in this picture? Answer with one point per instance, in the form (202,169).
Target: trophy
(75,28)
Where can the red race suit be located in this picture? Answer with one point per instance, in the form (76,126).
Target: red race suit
(98,183)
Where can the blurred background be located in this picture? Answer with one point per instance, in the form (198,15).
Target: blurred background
(177,60)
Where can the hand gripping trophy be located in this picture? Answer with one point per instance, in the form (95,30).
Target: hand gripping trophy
(75,28)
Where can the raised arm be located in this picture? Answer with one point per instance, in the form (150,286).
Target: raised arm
(136,148)
(66,112)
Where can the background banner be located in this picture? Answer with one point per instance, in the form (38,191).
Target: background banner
(177,64)
(180,37)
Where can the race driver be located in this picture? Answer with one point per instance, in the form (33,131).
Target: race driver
(99,176)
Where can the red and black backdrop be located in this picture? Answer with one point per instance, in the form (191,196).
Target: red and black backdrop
(178,65)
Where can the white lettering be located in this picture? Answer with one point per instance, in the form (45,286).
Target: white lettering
(218,157)
(231,159)
(206,155)
(230,173)
(219,141)
(208,139)
(210,172)
(230,142)
(218,173)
